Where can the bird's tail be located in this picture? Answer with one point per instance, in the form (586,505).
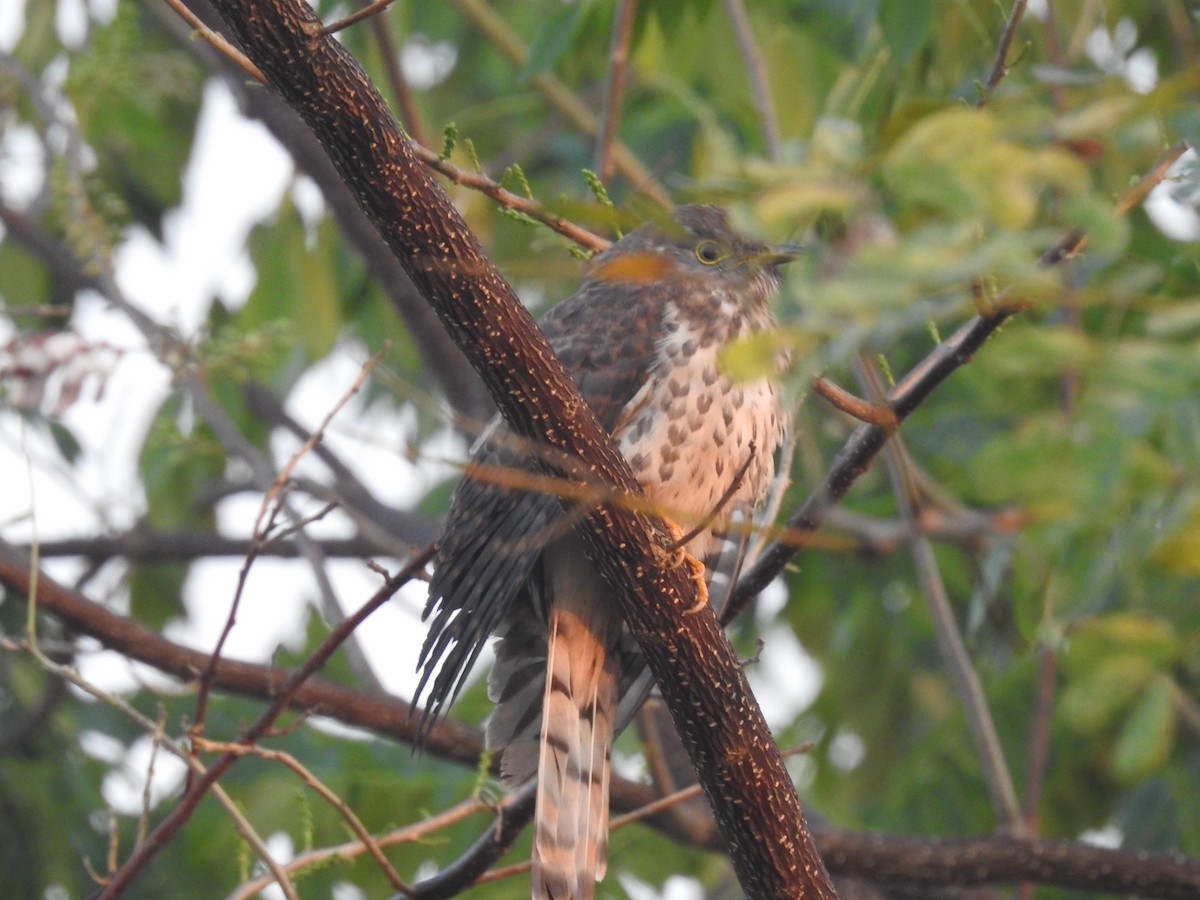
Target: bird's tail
(579,710)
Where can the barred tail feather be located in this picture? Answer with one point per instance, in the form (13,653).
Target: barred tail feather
(578,712)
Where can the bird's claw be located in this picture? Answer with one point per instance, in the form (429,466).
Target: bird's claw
(674,556)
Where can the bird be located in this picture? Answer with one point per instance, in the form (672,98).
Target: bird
(642,338)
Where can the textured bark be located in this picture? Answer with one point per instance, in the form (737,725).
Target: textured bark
(702,681)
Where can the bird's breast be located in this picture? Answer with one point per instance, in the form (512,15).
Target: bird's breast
(691,434)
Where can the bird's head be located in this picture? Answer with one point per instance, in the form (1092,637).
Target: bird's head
(697,246)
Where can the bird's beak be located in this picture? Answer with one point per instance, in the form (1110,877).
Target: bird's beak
(779,254)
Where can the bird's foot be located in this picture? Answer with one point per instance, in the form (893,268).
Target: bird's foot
(675,555)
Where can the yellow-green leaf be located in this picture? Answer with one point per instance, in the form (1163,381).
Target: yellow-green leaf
(1147,735)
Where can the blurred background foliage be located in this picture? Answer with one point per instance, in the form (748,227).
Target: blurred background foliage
(1061,468)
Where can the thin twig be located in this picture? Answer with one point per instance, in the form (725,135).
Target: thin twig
(614,90)
(367,11)
(414,122)
(1039,737)
(954,651)
(756,68)
(271,507)
(329,796)
(1138,192)
(489,188)
(241,823)
(1000,66)
(407,834)
(770,511)
(214,658)
(561,98)
(475,180)
(218,41)
(738,477)
(863,410)
(159,736)
(187,804)
(317,436)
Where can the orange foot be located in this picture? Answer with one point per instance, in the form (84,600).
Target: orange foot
(674,555)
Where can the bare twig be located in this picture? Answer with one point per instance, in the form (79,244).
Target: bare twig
(1138,192)
(506,198)
(205,680)
(756,68)
(414,122)
(618,66)
(218,41)
(559,96)
(954,651)
(711,516)
(1000,66)
(315,438)
(474,180)
(329,796)
(352,849)
(1039,737)
(863,410)
(241,823)
(187,804)
(367,11)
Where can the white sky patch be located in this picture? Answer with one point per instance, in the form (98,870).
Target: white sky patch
(1110,837)
(786,679)
(1117,53)
(1172,205)
(235,179)
(12,24)
(124,785)
(676,887)
(22,164)
(282,849)
(847,750)
(427,64)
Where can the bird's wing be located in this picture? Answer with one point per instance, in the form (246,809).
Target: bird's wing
(490,545)
(495,533)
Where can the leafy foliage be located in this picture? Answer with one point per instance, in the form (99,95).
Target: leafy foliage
(1059,473)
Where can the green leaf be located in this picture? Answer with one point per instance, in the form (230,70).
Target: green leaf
(1094,642)
(1179,551)
(961,162)
(24,281)
(1091,703)
(65,441)
(761,355)
(297,283)
(554,37)
(1148,734)
(906,27)
(125,87)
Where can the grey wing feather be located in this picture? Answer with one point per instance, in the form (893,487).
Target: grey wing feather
(494,535)
(489,549)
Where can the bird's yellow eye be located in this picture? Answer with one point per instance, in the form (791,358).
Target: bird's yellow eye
(709,252)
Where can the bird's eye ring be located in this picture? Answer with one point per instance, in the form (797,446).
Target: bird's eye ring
(709,253)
